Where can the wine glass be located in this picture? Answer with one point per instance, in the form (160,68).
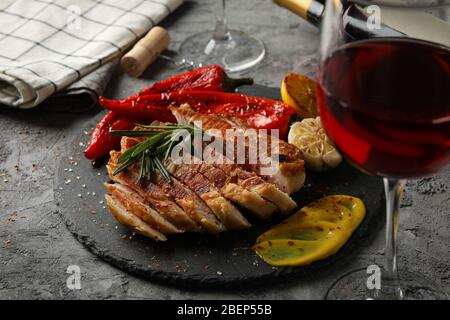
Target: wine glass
(232,49)
(384,99)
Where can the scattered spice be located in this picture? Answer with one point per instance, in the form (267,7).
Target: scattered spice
(12,217)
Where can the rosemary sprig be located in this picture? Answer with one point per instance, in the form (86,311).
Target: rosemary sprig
(154,150)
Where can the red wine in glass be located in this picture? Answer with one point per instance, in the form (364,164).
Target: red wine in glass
(386,105)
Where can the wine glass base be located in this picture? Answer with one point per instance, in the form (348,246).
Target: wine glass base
(354,286)
(236,53)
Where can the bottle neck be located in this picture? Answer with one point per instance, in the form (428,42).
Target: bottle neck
(310,10)
(355,21)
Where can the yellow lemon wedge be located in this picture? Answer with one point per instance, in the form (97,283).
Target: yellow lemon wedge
(317,231)
(299,92)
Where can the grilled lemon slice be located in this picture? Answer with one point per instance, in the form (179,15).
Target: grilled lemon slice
(314,233)
(299,92)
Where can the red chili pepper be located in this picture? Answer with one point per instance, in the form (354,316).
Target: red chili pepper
(209,78)
(257,112)
(101,140)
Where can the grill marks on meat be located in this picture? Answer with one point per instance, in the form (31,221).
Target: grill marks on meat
(204,187)
(129,219)
(133,202)
(190,199)
(289,173)
(252,182)
(225,211)
(231,190)
(153,195)
(194,207)
(201,197)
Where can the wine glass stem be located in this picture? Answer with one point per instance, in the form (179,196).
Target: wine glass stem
(221,30)
(390,285)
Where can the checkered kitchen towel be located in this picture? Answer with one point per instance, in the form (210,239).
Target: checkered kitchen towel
(56,47)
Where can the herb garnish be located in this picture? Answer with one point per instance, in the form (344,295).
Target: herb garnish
(154,150)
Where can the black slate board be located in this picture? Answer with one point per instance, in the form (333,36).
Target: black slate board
(193,259)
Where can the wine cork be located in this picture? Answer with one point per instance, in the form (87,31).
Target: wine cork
(145,51)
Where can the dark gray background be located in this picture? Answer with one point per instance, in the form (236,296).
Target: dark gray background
(36,248)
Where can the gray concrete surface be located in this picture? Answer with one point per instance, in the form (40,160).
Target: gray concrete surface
(36,248)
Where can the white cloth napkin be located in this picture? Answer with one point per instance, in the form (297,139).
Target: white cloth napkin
(53,46)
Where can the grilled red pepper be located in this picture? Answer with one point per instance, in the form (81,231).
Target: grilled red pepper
(257,112)
(209,78)
(101,141)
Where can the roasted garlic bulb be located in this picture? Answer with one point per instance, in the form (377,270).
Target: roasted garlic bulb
(319,152)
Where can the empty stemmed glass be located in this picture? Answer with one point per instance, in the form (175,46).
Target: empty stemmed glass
(234,50)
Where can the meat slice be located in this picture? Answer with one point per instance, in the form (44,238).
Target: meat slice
(187,199)
(246,189)
(252,182)
(153,195)
(245,198)
(194,207)
(127,218)
(205,188)
(133,202)
(289,173)
(228,214)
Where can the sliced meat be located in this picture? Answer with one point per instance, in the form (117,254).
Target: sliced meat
(244,198)
(254,183)
(227,213)
(133,202)
(153,195)
(132,221)
(189,175)
(289,173)
(187,199)
(247,189)
(194,207)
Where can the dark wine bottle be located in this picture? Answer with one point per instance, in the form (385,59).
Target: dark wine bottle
(355,22)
